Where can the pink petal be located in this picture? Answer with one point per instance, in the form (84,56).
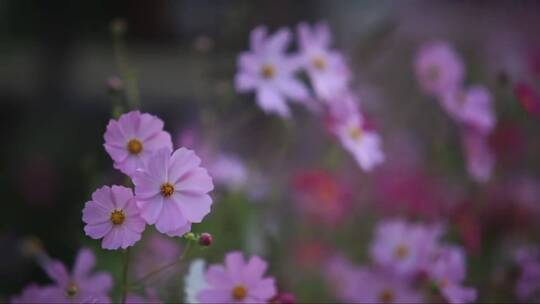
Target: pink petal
(215,296)
(102,197)
(278,42)
(293,88)
(84,263)
(180,231)
(97,231)
(182,161)
(197,181)
(151,209)
(218,277)
(254,269)
(257,37)
(121,196)
(194,207)
(113,135)
(113,239)
(264,290)
(57,272)
(94,213)
(271,101)
(170,218)
(149,126)
(129,123)
(160,140)
(234,262)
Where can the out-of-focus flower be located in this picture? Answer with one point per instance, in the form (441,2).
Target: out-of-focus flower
(283,298)
(363,144)
(195,281)
(229,171)
(448,272)
(528,99)
(81,286)
(479,157)
(528,283)
(326,68)
(112,214)
(468,225)
(310,254)
(172,191)
(439,68)
(508,142)
(369,285)
(403,247)
(133,138)
(156,251)
(32,294)
(472,107)
(268,71)
(321,196)
(238,281)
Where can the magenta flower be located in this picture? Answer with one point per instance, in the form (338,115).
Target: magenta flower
(32,294)
(238,281)
(81,286)
(268,71)
(448,272)
(134,137)
(438,68)
(172,191)
(472,107)
(479,156)
(403,247)
(113,215)
(326,68)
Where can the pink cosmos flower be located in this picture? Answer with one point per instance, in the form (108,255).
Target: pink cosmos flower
(354,284)
(81,286)
(473,107)
(326,68)
(438,68)
(448,272)
(404,247)
(134,137)
(268,71)
(32,294)
(172,191)
(238,281)
(479,157)
(113,215)
(229,171)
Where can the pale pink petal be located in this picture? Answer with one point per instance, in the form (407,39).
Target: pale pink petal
(151,209)
(94,213)
(194,207)
(218,276)
(84,263)
(254,269)
(57,272)
(180,231)
(278,42)
(272,102)
(182,161)
(149,126)
(257,37)
(102,197)
(121,196)
(245,82)
(292,88)
(129,123)
(97,231)
(160,140)
(264,290)
(234,262)
(215,296)
(170,218)
(197,181)
(113,239)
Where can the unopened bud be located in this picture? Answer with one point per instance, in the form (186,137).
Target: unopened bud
(205,239)
(115,84)
(190,236)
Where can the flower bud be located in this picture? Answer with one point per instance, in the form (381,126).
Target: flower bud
(205,239)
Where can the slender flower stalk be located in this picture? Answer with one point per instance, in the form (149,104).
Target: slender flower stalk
(127,73)
(125,286)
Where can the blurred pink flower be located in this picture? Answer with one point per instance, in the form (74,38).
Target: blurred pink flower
(528,98)
(283,298)
(321,196)
(326,68)
(113,215)
(403,247)
(133,138)
(439,68)
(32,294)
(528,283)
(172,191)
(238,281)
(268,71)
(81,286)
(479,157)
(155,252)
(150,296)
(353,284)
(229,171)
(472,107)
(448,272)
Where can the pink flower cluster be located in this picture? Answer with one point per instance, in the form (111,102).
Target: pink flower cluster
(440,72)
(79,286)
(403,253)
(271,73)
(171,188)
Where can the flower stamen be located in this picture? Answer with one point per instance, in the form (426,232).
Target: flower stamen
(239,292)
(401,251)
(117,217)
(167,190)
(72,289)
(319,63)
(134,146)
(386,296)
(268,71)
(356,133)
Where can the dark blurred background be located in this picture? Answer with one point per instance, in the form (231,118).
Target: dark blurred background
(56,57)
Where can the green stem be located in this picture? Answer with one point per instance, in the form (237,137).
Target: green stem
(125,286)
(164,267)
(127,73)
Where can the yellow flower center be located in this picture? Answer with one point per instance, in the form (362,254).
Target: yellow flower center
(72,289)
(117,216)
(167,189)
(401,251)
(134,146)
(319,63)
(386,296)
(239,293)
(356,133)
(268,71)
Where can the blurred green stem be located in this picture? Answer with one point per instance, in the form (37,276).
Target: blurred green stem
(164,267)
(125,286)
(128,74)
